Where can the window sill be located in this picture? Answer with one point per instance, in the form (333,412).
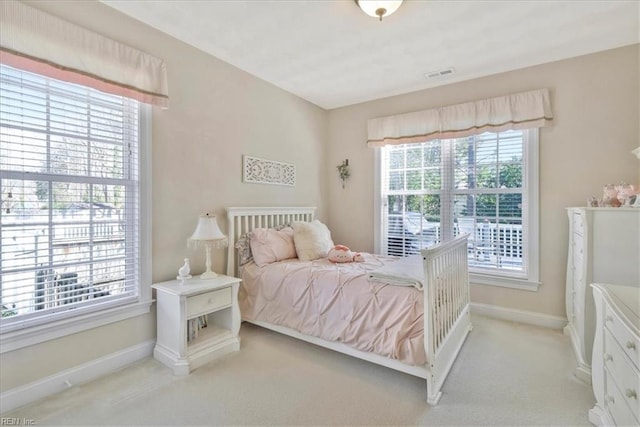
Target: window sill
(504,282)
(14,340)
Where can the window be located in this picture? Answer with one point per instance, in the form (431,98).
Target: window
(484,185)
(72,199)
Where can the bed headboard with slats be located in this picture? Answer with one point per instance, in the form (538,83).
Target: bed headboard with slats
(243,220)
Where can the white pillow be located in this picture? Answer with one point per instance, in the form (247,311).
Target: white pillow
(312,240)
(269,245)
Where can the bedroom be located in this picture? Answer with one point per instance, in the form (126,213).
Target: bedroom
(219,113)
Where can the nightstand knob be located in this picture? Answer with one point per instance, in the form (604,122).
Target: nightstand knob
(631,394)
(631,345)
(607,357)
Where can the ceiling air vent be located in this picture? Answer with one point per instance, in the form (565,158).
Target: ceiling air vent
(440,73)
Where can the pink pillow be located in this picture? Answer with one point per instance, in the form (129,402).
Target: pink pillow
(269,245)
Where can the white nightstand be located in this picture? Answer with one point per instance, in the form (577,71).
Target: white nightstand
(179,303)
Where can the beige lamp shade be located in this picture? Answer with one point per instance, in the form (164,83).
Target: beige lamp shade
(207,230)
(208,234)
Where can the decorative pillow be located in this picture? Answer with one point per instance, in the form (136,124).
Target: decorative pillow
(243,245)
(312,240)
(270,245)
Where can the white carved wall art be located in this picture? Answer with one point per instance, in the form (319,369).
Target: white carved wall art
(260,171)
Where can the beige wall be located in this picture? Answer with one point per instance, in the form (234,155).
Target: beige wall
(595,103)
(217,114)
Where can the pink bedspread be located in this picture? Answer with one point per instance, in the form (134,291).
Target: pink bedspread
(337,302)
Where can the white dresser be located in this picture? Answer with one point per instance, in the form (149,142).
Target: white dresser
(616,356)
(604,247)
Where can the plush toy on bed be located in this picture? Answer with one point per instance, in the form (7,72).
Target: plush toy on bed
(341,253)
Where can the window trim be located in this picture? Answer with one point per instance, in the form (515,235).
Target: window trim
(15,339)
(532,179)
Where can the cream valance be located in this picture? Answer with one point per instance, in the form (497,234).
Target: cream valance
(518,111)
(33,40)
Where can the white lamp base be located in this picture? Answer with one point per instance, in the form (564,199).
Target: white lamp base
(208,275)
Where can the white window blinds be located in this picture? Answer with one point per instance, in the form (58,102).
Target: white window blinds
(438,189)
(69,187)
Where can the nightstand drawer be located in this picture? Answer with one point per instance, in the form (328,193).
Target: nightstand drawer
(208,302)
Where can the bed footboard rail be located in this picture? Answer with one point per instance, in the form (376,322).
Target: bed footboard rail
(446,311)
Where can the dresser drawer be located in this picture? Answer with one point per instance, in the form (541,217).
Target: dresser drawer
(208,302)
(630,344)
(615,404)
(622,372)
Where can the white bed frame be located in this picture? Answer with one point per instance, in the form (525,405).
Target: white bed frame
(446,325)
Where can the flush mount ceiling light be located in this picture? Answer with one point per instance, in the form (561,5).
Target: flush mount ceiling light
(380,8)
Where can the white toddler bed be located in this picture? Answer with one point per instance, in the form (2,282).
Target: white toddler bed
(446,298)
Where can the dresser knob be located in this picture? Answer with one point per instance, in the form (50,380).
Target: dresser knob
(631,345)
(631,394)
(607,357)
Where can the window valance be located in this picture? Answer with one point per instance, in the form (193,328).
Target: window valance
(33,40)
(517,111)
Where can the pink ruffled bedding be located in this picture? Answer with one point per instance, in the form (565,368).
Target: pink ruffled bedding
(338,302)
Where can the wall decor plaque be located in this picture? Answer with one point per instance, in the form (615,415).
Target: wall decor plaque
(261,171)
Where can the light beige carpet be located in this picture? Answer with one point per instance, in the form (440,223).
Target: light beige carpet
(507,374)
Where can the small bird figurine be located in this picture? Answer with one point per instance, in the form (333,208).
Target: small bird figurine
(183,272)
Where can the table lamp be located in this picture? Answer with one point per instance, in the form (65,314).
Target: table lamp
(208,234)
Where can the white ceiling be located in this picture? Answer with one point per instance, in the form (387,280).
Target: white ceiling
(332,54)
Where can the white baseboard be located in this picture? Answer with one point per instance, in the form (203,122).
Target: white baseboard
(28,393)
(520,316)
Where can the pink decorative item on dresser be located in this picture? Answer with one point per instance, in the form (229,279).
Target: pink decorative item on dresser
(625,192)
(610,196)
